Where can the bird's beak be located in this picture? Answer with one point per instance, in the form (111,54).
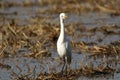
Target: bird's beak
(65,17)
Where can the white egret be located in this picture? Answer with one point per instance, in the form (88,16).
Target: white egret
(63,45)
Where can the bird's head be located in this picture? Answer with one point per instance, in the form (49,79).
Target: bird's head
(63,15)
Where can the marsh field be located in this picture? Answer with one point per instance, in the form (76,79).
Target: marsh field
(29,30)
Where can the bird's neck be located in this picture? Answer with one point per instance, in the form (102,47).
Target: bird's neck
(62,31)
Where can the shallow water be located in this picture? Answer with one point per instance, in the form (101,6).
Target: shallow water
(20,64)
(23,65)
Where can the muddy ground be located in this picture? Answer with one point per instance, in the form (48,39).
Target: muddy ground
(29,30)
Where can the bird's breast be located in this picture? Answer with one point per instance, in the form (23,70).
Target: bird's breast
(61,48)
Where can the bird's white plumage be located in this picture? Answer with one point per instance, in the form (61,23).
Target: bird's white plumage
(63,45)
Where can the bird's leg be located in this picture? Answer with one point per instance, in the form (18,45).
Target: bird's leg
(69,68)
(66,65)
(63,66)
(66,69)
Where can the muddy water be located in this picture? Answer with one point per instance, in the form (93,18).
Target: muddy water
(19,65)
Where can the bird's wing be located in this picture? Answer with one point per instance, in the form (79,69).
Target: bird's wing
(68,49)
